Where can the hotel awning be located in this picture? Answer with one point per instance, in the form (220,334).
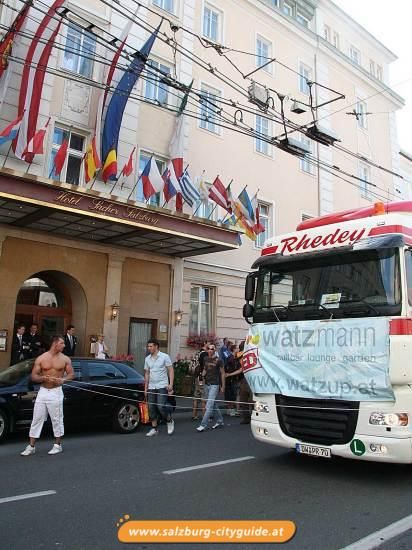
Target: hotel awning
(73,212)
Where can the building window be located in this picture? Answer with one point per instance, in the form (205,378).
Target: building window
(156,199)
(209,107)
(212,23)
(273,3)
(262,129)
(204,209)
(73,165)
(336,40)
(361,110)
(365,176)
(264,219)
(379,72)
(355,55)
(372,67)
(302,20)
(306,165)
(167,5)
(326,33)
(155,90)
(305,74)
(263,53)
(79,51)
(287,8)
(201,310)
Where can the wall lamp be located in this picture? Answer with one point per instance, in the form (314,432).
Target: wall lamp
(115,311)
(178,316)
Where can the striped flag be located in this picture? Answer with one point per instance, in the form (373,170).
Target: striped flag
(219,194)
(10,131)
(258,227)
(32,80)
(35,145)
(171,183)
(6,44)
(151,179)
(91,161)
(109,171)
(189,191)
(245,206)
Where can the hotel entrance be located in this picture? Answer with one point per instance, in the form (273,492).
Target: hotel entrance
(44,300)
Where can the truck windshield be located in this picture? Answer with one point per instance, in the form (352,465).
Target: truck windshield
(339,284)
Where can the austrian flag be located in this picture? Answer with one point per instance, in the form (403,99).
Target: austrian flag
(219,194)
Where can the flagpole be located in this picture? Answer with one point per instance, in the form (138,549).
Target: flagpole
(94,179)
(201,200)
(134,186)
(115,183)
(8,153)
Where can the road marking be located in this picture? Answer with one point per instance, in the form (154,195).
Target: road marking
(208,465)
(27,495)
(383,535)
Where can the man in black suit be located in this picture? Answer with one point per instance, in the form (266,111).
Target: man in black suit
(34,340)
(20,348)
(70,341)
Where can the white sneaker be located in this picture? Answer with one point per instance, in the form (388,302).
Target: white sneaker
(217,425)
(200,428)
(170,427)
(152,432)
(55,450)
(29,450)
(232,412)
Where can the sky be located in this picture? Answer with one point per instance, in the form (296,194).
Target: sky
(390,23)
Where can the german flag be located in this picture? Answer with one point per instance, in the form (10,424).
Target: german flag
(110,166)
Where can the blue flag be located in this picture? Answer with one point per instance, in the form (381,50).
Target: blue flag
(114,114)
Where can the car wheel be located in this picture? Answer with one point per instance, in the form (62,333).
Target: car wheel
(4,425)
(126,418)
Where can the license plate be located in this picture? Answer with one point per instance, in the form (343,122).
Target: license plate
(313,450)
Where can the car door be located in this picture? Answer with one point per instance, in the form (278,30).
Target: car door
(76,396)
(21,401)
(105,383)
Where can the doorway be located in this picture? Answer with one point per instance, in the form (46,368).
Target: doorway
(140,330)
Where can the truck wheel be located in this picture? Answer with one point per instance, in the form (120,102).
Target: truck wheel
(4,425)
(126,418)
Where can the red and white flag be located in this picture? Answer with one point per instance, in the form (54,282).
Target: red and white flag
(258,227)
(35,145)
(60,157)
(219,194)
(128,167)
(32,80)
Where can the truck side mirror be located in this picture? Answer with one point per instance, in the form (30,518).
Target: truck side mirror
(250,287)
(248,311)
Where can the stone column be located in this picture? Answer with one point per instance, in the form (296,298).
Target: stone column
(113,289)
(176,303)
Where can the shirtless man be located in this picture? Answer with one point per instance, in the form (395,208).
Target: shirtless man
(51,370)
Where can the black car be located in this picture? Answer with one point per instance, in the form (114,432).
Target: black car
(102,391)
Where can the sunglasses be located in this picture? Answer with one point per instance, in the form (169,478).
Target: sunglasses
(211,349)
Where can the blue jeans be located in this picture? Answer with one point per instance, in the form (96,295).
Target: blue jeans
(156,399)
(211,393)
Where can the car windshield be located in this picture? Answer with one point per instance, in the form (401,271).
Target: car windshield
(14,374)
(350,284)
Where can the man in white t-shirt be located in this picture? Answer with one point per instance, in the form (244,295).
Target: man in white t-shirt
(158,377)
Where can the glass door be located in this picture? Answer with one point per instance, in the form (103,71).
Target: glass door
(140,331)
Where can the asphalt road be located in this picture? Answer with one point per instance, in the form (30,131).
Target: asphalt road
(100,477)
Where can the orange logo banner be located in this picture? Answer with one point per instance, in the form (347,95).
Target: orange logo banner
(199,531)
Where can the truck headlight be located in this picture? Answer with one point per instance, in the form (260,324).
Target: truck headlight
(388,419)
(261,407)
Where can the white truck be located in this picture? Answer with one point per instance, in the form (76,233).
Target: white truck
(329,351)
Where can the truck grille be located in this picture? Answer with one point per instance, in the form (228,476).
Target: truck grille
(326,422)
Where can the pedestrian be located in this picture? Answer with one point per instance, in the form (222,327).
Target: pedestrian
(214,376)
(159,378)
(34,341)
(224,350)
(51,370)
(20,349)
(199,393)
(99,348)
(231,387)
(70,341)
(245,393)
